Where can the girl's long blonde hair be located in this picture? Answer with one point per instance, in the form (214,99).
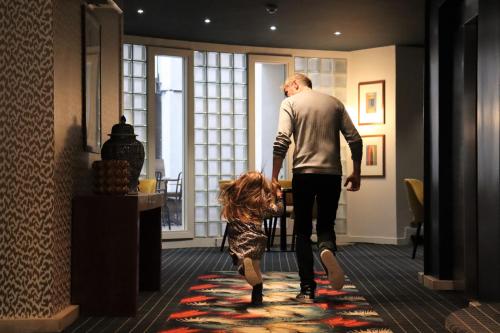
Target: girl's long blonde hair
(247,198)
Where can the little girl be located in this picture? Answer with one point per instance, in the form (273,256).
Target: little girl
(245,203)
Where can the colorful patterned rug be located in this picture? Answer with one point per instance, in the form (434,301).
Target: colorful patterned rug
(220,303)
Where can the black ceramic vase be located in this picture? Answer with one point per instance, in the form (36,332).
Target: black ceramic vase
(124,146)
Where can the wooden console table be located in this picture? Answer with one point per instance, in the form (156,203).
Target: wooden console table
(116,251)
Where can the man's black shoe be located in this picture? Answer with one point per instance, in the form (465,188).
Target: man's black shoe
(257,294)
(306,295)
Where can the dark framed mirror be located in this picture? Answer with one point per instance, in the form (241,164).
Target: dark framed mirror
(91,90)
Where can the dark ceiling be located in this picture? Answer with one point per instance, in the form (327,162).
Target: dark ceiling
(307,24)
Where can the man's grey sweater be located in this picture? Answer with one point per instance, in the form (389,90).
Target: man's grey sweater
(315,120)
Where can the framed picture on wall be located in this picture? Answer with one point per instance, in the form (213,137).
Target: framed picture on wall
(371,102)
(373,163)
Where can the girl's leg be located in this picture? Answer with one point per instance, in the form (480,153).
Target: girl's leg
(257,288)
(256,266)
(252,271)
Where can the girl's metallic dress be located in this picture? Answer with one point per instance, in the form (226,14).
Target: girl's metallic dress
(247,239)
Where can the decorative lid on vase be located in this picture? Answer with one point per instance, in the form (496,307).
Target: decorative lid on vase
(122,128)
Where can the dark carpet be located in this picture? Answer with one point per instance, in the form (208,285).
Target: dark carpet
(385,275)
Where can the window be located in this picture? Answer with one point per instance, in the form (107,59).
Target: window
(220,134)
(135,93)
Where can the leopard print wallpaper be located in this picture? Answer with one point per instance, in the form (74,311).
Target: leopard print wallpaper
(26,158)
(42,163)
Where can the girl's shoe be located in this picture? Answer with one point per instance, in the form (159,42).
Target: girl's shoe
(332,269)
(257,294)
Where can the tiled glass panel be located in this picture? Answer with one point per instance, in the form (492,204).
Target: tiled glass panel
(200,213)
(226,106)
(127,51)
(140,118)
(212,59)
(328,76)
(240,76)
(213,90)
(212,74)
(240,107)
(139,102)
(300,65)
(127,85)
(313,65)
(240,61)
(200,229)
(214,214)
(139,53)
(240,91)
(213,228)
(213,105)
(226,90)
(140,86)
(220,107)
(200,74)
(200,121)
(213,183)
(200,105)
(199,58)
(139,69)
(135,92)
(200,183)
(226,60)
(200,152)
(226,75)
(226,121)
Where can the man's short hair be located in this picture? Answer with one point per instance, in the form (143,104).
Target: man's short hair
(301,78)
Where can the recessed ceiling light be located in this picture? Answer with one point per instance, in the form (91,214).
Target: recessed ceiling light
(337,33)
(273,27)
(207,20)
(140,11)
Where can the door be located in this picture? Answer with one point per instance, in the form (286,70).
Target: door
(267,74)
(169,102)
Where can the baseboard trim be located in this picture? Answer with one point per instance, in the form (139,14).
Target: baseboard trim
(434,283)
(370,239)
(56,323)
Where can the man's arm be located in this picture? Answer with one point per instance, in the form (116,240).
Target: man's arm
(355,177)
(283,139)
(356,145)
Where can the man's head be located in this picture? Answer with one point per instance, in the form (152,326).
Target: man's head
(296,83)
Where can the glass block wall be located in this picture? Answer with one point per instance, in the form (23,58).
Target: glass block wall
(220,133)
(135,93)
(330,77)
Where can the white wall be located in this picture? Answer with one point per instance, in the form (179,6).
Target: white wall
(379,212)
(371,212)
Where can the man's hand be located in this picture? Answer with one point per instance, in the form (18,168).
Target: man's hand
(355,180)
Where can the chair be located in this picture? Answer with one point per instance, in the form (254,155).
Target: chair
(415,189)
(159,174)
(175,197)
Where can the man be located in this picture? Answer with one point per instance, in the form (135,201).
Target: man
(314,120)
